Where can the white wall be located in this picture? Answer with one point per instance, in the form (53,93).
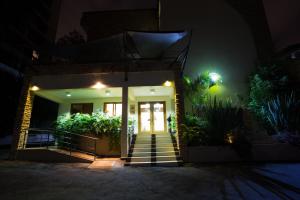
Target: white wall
(221,42)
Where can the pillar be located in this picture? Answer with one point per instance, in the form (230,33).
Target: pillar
(180,112)
(124,138)
(22,119)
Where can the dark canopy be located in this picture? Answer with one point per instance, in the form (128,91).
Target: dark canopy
(129,45)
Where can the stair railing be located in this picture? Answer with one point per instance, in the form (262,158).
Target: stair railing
(45,138)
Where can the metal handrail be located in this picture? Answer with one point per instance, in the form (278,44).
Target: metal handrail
(55,130)
(71,146)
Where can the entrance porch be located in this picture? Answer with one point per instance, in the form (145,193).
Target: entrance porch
(143,109)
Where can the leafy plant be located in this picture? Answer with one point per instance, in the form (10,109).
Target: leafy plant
(265,84)
(196,90)
(97,123)
(283,113)
(172,123)
(222,118)
(260,93)
(210,124)
(193,131)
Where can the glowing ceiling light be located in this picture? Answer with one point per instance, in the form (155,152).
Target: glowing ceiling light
(68,94)
(35,88)
(168,83)
(98,85)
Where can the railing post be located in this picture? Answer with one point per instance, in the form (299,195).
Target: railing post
(70,145)
(95,148)
(24,140)
(48,139)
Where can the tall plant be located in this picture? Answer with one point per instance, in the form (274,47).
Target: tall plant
(195,90)
(222,117)
(210,124)
(283,113)
(264,85)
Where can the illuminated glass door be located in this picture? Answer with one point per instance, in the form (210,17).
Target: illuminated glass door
(152,117)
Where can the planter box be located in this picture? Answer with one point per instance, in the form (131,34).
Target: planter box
(102,146)
(260,152)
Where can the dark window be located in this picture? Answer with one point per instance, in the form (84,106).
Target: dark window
(86,108)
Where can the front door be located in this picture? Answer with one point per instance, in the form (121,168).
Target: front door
(152,117)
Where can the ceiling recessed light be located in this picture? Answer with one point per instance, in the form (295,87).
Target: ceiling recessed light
(107,92)
(152,91)
(68,94)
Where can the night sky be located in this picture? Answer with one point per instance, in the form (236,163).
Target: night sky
(283,16)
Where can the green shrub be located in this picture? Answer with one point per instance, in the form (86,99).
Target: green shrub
(210,124)
(260,93)
(265,84)
(97,123)
(196,90)
(222,118)
(193,131)
(283,113)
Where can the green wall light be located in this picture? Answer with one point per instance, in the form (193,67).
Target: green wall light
(215,78)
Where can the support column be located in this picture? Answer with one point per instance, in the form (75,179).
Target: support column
(23,115)
(179,100)
(124,135)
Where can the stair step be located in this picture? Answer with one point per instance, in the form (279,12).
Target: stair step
(157,140)
(138,145)
(150,158)
(164,153)
(157,163)
(157,149)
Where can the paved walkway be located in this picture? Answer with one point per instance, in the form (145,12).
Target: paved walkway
(25,180)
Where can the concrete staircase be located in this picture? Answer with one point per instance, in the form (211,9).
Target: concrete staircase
(153,150)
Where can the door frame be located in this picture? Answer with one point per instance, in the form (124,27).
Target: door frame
(151,117)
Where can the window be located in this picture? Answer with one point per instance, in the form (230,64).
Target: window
(86,108)
(113,109)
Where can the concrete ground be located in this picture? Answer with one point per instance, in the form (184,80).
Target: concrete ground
(28,180)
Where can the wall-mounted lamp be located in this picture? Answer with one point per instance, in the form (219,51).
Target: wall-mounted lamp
(35,88)
(168,83)
(215,78)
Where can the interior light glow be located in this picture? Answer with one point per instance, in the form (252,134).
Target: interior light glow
(98,85)
(35,88)
(68,94)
